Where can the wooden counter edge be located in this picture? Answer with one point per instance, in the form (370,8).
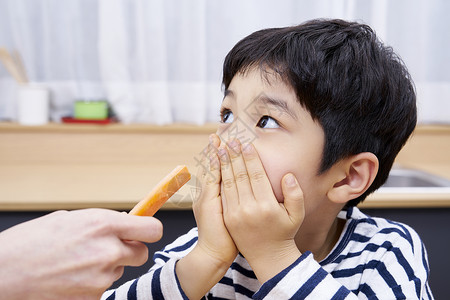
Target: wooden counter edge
(379,201)
(414,200)
(171,128)
(52,206)
(110,128)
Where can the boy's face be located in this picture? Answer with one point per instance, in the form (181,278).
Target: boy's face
(262,109)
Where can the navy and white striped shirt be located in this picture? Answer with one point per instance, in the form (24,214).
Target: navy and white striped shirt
(374,259)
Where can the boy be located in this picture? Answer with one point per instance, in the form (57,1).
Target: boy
(322,110)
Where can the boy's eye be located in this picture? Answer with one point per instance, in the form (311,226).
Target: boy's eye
(267,122)
(226,116)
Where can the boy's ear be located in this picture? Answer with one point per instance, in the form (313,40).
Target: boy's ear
(353,177)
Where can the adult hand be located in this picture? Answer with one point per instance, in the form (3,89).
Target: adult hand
(262,228)
(72,254)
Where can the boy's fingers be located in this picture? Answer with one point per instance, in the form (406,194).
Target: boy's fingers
(214,141)
(241,178)
(258,179)
(210,187)
(293,198)
(213,173)
(204,172)
(228,183)
(202,169)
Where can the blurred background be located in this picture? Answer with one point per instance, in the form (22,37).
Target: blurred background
(159,61)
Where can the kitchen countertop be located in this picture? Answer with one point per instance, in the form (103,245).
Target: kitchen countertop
(61,166)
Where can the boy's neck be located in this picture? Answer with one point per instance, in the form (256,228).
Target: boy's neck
(320,240)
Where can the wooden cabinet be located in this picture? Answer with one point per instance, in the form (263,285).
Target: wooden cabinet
(60,166)
(76,166)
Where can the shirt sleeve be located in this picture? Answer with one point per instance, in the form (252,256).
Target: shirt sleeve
(159,283)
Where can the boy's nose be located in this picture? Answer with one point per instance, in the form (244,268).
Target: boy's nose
(237,130)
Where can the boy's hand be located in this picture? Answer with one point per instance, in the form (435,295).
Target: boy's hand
(262,228)
(215,250)
(213,236)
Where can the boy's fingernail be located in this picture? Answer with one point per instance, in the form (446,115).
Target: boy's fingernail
(222,153)
(213,160)
(247,148)
(233,144)
(290,180)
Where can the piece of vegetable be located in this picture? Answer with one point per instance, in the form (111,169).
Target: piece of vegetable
(168,186)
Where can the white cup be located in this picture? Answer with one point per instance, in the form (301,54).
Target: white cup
(33,103)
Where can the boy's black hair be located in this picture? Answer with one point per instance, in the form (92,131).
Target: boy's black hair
(356,88)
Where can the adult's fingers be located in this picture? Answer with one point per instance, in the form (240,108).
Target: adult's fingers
(118,272)
(137,228)
(133,254)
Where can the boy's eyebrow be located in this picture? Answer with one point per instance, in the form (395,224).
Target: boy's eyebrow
(277,103)
(266,100)
(228,93)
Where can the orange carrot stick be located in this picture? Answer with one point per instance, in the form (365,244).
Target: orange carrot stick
(168,186)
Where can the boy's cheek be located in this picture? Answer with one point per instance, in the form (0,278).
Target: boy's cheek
(274,168)
(277,162)
(275,172)
(277,192)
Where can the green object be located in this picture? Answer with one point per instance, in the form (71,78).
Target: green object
(91,110)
